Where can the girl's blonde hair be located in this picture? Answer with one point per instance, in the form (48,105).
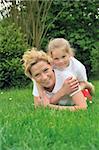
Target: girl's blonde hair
(31,57)
(61,44)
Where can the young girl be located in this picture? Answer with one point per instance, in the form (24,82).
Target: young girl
(63,59)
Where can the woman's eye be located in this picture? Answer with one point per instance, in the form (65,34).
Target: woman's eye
(55,58)
(37,75)
(45,70)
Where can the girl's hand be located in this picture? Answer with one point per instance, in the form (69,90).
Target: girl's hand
(70,85)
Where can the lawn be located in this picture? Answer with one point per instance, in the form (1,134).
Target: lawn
(24,128)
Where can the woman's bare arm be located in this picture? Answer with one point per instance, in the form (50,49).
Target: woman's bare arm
(79,100)
(37,102)
(71,108)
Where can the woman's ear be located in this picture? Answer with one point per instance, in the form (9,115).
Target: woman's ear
(32,79)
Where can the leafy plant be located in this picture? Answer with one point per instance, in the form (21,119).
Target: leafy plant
(95,59)
(12,47)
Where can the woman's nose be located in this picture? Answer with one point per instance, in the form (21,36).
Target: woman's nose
(44,76)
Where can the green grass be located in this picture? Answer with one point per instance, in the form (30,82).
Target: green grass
(24,128)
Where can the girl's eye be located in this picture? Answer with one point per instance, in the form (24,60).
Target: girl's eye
(55,58)
(63,56)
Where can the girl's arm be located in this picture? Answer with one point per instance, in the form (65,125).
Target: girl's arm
(70,85)
(87,85)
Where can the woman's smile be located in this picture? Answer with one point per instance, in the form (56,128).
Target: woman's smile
(43,74)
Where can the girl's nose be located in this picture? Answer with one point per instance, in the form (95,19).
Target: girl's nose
(60,60)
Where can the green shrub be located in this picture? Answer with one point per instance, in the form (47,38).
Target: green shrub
(95,59)
(12,47)
(78,23)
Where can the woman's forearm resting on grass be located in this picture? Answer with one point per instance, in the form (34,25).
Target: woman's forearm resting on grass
(71,108)
(78,99)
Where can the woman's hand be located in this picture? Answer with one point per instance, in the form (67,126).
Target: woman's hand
(45,100)
(41,101)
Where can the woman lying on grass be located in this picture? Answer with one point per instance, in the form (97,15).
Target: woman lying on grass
(53,88)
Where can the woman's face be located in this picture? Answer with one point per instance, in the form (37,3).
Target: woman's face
(43,74)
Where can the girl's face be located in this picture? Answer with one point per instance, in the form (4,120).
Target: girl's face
(43,74)
(60,58)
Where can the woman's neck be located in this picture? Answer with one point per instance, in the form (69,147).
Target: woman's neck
(50,89)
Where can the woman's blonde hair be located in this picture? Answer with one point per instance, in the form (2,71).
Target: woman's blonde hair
(61,44)
(31,57)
